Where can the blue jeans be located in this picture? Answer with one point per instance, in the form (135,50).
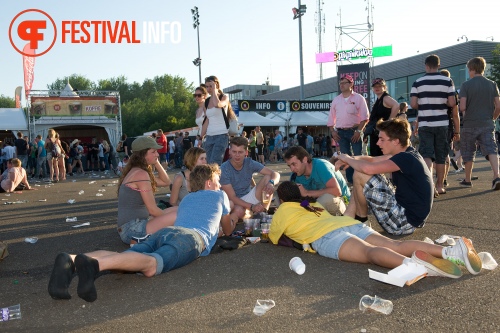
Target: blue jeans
(172,247)
(215,146)
(42,166)
(178,157)
(349,148)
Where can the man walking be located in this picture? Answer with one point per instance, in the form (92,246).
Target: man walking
(479,100)
(348,116)
(431,95)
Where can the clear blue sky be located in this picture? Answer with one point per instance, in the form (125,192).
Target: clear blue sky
(242,42)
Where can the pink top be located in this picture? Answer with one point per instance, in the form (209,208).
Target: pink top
(14,178)
(348,113)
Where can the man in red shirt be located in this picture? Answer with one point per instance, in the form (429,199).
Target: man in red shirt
(161,139)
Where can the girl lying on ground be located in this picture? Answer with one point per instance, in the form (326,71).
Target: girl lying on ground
(344,238)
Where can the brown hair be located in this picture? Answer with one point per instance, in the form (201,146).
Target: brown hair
(298,152)
(202,89)
(15,162)
(396,129)
(432,61)
(477,64)
(191,157)
(200,174)
(138,160)
(239,141)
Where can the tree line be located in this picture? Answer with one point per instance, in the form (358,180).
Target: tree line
(164,102)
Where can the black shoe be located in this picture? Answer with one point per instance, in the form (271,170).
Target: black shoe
(454,163)
(445,183)
(465,184)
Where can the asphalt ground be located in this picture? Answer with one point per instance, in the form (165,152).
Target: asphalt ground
(217,293)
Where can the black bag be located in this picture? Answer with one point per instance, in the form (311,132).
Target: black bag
(370,128)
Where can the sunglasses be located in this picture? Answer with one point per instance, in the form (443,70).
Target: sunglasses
(197,95)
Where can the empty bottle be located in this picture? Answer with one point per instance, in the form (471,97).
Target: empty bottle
(10,313)
(376,304)
(81,192)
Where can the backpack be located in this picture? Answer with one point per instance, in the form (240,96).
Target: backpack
(53,149)
(231,125)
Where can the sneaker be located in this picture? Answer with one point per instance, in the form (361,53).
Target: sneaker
(436,266)
(495,185)
(445,183)
(459,170)
(464,254)
(465,184)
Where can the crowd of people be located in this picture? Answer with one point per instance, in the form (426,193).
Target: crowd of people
(319,207)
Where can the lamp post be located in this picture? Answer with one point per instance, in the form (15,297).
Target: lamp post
(462,37)
(196,25)
(491,38)
(297,13)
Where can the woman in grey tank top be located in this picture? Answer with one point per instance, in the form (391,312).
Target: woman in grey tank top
(136,200)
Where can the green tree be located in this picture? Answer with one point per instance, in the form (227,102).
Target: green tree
(77,81)
(7,102)
(495,65)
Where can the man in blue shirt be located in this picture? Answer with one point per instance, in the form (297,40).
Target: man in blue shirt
(41,157)
(193,234)
(236,180)
(318,179)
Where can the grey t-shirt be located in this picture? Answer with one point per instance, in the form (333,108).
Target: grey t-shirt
(480,94)
(241,180)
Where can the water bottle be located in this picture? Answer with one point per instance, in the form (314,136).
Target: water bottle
(12,312)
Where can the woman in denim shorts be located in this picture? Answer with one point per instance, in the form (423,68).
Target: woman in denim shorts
(136,200)
(344,238)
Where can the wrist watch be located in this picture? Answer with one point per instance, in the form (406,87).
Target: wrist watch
(271,181)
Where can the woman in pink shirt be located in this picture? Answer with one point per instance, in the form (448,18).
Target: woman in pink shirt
(14,176)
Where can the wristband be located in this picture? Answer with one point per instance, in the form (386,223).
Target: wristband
(271,181)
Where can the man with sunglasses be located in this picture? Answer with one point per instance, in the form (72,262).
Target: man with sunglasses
(348,116)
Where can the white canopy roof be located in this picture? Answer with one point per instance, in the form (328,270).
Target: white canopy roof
(13,119)
(308,118)
(250,118)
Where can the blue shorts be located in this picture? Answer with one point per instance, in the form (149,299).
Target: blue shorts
(172,247)
(329,245)
(133,228)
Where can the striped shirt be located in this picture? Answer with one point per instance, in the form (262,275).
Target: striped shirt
(432,91)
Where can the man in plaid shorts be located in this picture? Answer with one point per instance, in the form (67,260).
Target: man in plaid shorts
(404,204)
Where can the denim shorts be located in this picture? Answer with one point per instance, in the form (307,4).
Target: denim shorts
(434,143)
(329,245)
(172,247)
(215,146)
(484,136)
(133,228)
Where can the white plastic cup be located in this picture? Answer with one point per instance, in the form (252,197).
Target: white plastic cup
(297,265)
(376,304)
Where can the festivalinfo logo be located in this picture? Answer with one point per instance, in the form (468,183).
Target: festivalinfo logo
(40,30)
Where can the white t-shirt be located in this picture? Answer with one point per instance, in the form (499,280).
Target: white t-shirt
(216,123)
(171,145)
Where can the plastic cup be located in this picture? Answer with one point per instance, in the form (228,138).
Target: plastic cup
(248,226)
(266,197)
(297,265)
(264,232)
(376,304)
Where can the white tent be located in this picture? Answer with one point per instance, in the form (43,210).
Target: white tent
(308,119)
(13,119)
(250,118)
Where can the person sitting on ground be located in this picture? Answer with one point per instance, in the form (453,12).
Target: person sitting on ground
(180,186)
(317,178)
(136,200)
(14,177)
(344,238)
(236,181)
(407,207)
(193,235)
(122,165)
